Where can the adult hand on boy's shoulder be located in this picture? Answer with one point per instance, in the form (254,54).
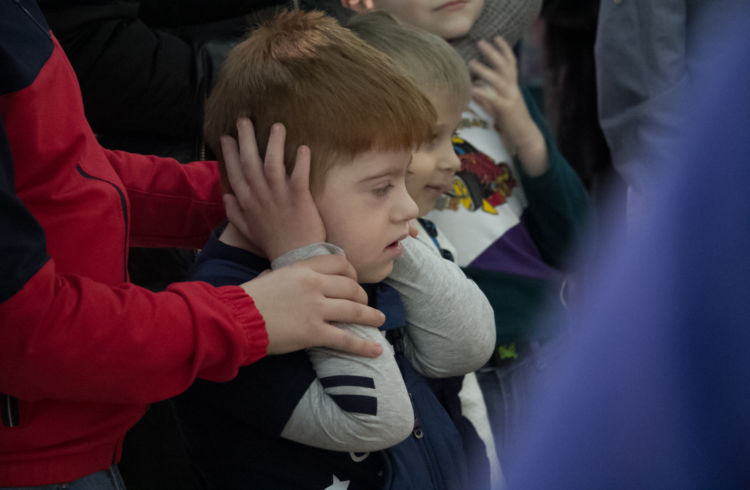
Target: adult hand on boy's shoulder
(497,91)
(273,211)
(299,302)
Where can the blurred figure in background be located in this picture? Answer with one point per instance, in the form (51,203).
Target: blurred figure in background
(645,56)
(653,386)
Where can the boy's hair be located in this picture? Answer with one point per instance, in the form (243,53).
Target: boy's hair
(332,91)
(428,59)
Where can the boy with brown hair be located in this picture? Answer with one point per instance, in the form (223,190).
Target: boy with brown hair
(330,420)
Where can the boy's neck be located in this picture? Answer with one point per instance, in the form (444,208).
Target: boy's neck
(234,238)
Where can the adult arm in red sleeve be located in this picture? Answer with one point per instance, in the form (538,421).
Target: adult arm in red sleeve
(70,337)
(171,204)
(73,338)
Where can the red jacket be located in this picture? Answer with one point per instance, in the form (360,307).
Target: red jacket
(82,351)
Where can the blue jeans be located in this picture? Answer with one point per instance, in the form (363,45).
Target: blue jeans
(507,390)
(108,479)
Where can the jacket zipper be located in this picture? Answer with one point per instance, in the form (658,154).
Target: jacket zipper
(9,410)
(396,338)
(26,11)
(124,205)
(418,434)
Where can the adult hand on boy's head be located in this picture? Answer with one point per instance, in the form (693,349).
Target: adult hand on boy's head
(498,93)
(273,211)
(299,302)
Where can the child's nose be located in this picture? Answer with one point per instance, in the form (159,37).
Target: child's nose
(449,161)
(407,209)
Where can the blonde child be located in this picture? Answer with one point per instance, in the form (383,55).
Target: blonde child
(441,74)
(517,207)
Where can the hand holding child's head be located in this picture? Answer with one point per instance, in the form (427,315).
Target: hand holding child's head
(273,211)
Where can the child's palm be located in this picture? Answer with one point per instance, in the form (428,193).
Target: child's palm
(497,90)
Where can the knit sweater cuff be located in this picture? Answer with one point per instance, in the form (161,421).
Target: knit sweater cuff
(249,318)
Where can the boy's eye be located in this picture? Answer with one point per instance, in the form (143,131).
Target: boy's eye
(382,191)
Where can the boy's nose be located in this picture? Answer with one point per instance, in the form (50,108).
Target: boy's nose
(407,209)
(449,161)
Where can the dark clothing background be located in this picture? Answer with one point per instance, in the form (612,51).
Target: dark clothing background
(146,67)
(571,100)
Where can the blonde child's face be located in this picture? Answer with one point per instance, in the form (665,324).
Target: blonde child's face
(448,19)
(366,210)
(434,164)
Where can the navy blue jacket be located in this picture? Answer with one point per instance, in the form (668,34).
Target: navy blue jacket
(233,429)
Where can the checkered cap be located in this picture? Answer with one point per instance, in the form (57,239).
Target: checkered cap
(507,18)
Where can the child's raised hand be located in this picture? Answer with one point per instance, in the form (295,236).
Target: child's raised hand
(497,91)
(274,211)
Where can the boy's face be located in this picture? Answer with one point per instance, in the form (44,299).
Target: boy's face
(448,19)
(366,210)
(433,165)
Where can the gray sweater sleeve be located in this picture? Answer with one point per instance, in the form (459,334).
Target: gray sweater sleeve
(355,404)
(450,324)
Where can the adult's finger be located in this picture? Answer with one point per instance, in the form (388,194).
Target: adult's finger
(343,287)
(339,339)
(346,311)
(330,264)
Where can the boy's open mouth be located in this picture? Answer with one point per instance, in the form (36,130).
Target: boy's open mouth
(396,245)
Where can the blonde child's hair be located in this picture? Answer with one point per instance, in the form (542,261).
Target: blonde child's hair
(428,59)
(333,92)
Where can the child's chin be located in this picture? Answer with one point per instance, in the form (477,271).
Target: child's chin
(374,275)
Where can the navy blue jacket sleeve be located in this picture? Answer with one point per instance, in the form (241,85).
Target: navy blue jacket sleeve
(22,243)
(280,381)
